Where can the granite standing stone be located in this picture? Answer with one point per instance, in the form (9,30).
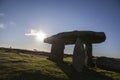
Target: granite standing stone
(57,51)
(78,56)
(88,52)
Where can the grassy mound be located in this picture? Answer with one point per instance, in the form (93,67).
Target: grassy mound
(15,65)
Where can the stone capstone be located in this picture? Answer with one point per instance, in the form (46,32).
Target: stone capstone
(70,37)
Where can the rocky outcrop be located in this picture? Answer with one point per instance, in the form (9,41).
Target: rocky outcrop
(108,64)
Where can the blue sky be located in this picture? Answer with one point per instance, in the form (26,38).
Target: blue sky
(18,17)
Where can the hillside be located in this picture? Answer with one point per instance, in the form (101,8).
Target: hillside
(18,64)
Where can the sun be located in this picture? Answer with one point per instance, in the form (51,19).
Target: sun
(40,36)
(37,34)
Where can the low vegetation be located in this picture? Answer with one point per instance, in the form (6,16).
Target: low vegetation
(15,65)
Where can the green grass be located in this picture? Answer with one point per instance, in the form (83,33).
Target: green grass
(20,66)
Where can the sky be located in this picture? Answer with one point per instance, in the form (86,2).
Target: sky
(21,21)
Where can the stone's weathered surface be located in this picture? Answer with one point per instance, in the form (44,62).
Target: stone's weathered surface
(57,51)
(78,56)
(70,37)
(88,52)
(108,64)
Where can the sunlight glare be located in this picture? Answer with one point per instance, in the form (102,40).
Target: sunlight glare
(37,34)
(40,36)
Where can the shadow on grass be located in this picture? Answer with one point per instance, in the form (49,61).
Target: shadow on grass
(36,75)
(12,74)
(9,72)
(86,74)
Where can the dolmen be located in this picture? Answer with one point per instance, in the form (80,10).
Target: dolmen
(83,40)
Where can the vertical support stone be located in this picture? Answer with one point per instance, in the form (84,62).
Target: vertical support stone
(57,51)
(78,56)
(88,52)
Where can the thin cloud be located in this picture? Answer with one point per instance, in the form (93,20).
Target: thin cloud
(2,14)
(12,23)
(32,33)
(2,26)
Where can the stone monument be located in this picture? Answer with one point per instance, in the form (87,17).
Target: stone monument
(83,41)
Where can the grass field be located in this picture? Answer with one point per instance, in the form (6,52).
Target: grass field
(15,65)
